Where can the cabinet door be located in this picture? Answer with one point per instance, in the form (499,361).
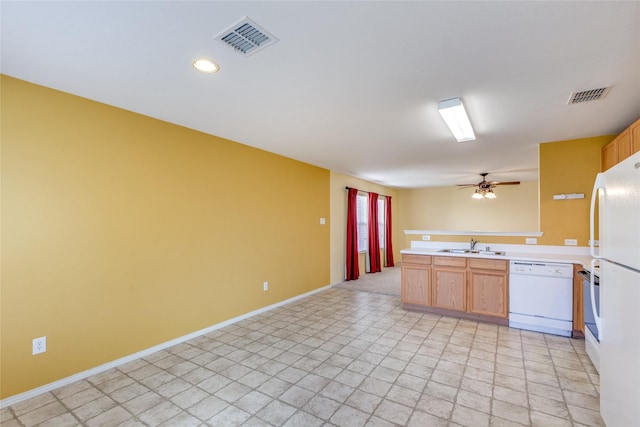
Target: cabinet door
(578,302)
(488,293)
(635,136)
(415,284)
(449,288)
(416,259)
(488,264)
(624,145)
(609,155)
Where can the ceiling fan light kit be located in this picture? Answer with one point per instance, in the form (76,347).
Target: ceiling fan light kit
(455,116)
(483,194)
(484,188)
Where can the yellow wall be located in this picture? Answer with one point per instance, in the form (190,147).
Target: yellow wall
(121,232)
(564,167)
(448,208)
(339,221)
(568,167)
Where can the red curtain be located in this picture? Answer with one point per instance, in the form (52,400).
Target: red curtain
(374,240)
(353,269)
(387,233)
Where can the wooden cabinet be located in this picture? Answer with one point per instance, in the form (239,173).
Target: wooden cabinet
(623,141)
(415,285)
(623,146)
(488,287)
(450,283)
(609,155)
(416,279)
(578,302)
(472,288)
(634,132)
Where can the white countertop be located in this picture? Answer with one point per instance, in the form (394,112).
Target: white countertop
(537,256)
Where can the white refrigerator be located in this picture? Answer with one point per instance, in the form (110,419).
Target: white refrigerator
(618,193)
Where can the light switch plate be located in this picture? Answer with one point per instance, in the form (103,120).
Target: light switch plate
(323,221)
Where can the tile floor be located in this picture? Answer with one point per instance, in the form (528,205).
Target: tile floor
(338,358)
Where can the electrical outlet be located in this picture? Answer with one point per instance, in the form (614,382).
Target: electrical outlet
(39,345)
(426,237)
(323,221)
(531,241)
(265,286)
(570,242)
(595,242)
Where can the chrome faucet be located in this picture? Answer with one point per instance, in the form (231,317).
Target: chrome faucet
(473,244)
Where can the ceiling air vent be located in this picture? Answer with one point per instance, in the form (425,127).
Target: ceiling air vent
(588,95)
(246,37)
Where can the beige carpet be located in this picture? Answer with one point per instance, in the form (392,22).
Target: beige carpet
(386,282)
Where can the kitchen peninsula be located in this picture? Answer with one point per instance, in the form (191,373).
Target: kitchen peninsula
(441,278)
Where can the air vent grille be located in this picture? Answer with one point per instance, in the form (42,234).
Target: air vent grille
(246,37)
(588,95)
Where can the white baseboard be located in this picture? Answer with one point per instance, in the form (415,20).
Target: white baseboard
(113,364)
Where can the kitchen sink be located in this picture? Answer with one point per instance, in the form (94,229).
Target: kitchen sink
(502,253)
(471,251)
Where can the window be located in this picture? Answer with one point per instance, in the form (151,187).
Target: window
(363,215)
(362,205)
(381,221)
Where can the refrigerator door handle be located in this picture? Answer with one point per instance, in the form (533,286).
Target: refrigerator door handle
(598,185)
(592,290)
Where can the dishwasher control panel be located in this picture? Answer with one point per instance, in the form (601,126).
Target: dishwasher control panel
(541,269)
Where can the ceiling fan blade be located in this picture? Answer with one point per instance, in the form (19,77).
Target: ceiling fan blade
(485,185)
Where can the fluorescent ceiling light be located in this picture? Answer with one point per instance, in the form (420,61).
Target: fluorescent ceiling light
(454,115)
(206,66)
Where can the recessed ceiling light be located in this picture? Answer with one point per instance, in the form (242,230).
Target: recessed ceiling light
(205,65)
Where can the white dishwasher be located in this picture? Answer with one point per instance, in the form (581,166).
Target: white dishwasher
(541,297)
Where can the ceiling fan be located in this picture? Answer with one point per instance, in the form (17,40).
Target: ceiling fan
(484,188)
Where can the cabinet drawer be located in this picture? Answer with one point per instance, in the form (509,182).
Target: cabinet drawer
(450,261)
(416,259)
(488,264)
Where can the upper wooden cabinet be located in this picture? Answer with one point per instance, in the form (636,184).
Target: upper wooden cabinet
(634,131)
(609,155)
(625,144)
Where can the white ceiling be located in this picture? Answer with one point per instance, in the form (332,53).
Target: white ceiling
(350,86)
